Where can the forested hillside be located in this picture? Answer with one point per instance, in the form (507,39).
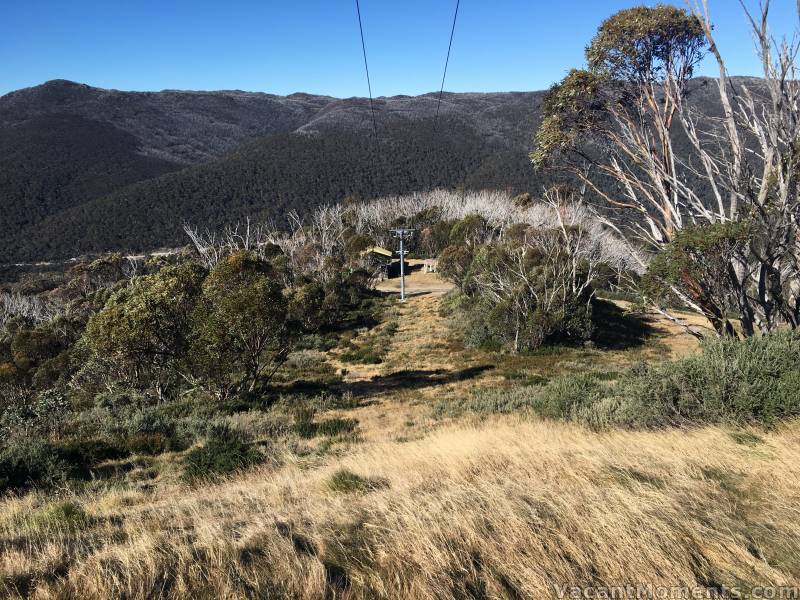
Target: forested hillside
(270,177)
(52,162)
(84,169)
(93,170)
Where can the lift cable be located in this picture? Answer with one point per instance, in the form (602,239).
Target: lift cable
(446,62)
(366,68)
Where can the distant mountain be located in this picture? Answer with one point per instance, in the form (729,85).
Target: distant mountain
(191,127)
(50,162)
(178,127)
(84,169)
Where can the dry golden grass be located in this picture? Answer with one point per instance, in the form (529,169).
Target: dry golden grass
(507,509)
(499,508)
(425,364)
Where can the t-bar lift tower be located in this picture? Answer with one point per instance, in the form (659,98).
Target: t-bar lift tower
(403,235)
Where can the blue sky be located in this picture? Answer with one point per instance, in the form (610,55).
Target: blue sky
(313,46)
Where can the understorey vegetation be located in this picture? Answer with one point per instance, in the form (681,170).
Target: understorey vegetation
(753,383)
(140,357)
(126,356)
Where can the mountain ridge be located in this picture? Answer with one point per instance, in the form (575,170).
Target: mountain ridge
(123,170)
(204,119)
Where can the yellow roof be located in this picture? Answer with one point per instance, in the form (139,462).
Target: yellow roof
(378,250)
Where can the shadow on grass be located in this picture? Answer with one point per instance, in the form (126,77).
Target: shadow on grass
(411,380)
(617,330)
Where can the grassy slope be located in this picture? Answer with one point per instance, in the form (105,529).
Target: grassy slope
(505,509)
(430,508)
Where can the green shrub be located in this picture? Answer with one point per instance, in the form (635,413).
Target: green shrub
(29,461)
(143,428)
(317,341)
(365,355)
(345,481)
(40,412)
(755,380)
(373,348)
(525,377)
(241,327)
(565,396)
(153,443)
(225,451)
(525,291)
(120,397)
(82,453)
(478,332)
(144,327)
(562,398)
(306,427)
(491,401)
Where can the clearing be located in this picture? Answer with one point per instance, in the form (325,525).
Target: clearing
(408,503)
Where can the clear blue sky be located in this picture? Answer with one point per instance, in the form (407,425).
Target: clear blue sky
(313,46)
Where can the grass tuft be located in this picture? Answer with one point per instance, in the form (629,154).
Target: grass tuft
(345,481)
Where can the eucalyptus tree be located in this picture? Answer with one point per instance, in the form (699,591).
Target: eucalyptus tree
(619,121)
(144,328)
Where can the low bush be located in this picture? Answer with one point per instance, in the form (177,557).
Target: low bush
(153,443)
(755,381)
(561,398)
(751,381)
(565,396)
(345,481)
(365,355)
(225,451)
(84,453)
(525,377)
(305,426)
(372,349)
(490,401)
(28,461)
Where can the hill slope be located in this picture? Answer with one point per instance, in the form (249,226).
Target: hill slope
(85,169)
(267,179)
(215,157)
(181,127)
(53,161)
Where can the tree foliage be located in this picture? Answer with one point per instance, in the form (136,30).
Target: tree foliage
(145,326)
(241,331)
(647,45)
(685,182)
(571,110)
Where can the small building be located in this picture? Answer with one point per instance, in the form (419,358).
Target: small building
(383,261)
(429,265)
(378,258)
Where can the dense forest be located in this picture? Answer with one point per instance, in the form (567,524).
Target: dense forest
(52,162)
(86,170)
(272,176)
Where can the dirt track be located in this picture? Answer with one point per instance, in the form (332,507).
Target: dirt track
(417,282)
